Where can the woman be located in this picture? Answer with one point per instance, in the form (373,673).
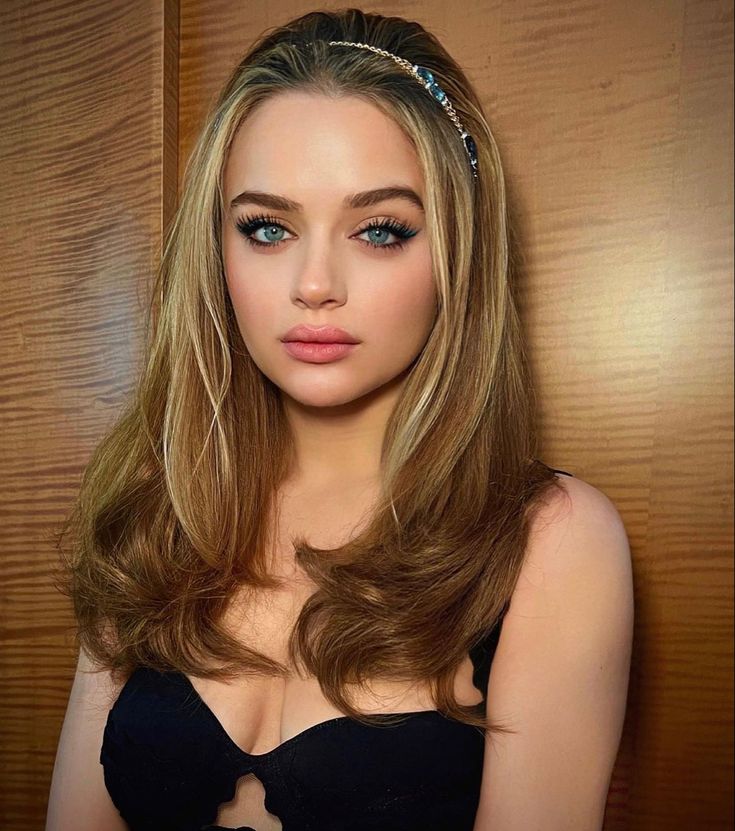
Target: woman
(298,552)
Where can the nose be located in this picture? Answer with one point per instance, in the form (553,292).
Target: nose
(319,279)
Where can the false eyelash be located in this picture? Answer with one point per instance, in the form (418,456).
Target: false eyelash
(248,225)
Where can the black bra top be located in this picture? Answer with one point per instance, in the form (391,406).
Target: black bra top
(169,764)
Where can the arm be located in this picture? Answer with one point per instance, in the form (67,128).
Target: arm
(560,672)
(78,798)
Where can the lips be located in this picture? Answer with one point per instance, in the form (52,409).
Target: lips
(318,334)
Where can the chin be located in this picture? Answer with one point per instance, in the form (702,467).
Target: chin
(322,396)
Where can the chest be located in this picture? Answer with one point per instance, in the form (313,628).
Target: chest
(259,713)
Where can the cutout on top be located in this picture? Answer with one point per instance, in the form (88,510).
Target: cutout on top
(247,807)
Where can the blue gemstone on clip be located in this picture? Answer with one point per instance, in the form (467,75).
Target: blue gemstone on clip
(425,74)
(437,92)
(469,143)
(471,149)
(431,84)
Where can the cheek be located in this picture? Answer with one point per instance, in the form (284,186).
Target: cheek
(400,316)
(253,300)
(254,306)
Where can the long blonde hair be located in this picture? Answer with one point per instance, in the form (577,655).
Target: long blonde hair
(174,506)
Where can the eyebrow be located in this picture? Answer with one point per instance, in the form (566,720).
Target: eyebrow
(363,199)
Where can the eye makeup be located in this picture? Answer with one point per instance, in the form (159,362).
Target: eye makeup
(248,225)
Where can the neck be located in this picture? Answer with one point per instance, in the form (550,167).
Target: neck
(340,444)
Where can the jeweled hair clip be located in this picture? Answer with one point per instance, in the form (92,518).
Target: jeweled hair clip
(427,80)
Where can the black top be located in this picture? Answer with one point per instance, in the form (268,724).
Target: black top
(169,764)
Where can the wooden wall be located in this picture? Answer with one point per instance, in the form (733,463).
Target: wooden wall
(615,125)
(88,167)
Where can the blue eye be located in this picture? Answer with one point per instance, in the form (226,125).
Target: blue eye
(249,225)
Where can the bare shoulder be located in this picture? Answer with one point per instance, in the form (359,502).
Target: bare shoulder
(577,569)
(577,531)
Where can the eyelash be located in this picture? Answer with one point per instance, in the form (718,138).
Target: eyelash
(250,224)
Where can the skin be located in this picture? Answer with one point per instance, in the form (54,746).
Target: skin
(316,150)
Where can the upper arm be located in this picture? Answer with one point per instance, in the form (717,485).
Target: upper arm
(560,673)
(78,797)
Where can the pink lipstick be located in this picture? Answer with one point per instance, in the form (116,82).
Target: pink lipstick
(318,344)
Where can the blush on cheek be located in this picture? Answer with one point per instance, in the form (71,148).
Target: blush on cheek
(257,314)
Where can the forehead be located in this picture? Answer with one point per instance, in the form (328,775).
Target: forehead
(298,141)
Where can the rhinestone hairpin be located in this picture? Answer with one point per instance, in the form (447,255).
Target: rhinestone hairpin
(427,80)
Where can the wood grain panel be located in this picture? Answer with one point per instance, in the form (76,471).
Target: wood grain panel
(615,124)
(88,154)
